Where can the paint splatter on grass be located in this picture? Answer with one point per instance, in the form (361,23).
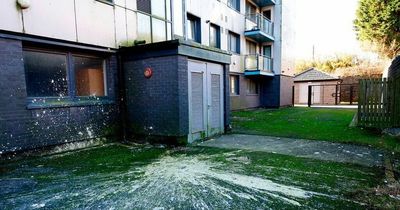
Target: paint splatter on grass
(121,177)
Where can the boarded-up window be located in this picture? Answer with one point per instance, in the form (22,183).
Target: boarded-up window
(89,76)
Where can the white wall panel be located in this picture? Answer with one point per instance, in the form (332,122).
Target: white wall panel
(120,25)
(131,4)
(10,16)
(95,23)
(131,25)
(120,3)
(51,18)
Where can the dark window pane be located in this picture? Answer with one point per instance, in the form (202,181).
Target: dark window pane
(144,6)
(234,43)
(89,76)
(46,74)
(251,47)
(252,87)
(235,4)
(234,82)
(214,36)
(194,28)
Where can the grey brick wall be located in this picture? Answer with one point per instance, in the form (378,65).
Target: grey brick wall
(21,128)
(157,106)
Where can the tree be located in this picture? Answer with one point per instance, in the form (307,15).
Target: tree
(328,65)
(378,26)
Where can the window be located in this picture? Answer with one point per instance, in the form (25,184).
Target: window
(154,20)
(252,87)
(250,8)
(194,28)
(234,4)
(89,76)
(234,82)
(234,42)
(251,48)
(144,6)
(53,75)
(46,74)
(267,14)
(215,37)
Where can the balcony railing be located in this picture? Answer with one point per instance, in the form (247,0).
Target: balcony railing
(256,62)
(255,22)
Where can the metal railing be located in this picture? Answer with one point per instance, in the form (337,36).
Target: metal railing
(258,22)
(256,62)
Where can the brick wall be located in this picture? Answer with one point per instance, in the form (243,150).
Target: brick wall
(244,100)
(270,92)
(22,128)
(286,89)
(157,106)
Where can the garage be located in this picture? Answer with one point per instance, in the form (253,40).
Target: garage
(323,87)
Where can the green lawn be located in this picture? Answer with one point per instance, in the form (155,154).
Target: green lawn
(310,123)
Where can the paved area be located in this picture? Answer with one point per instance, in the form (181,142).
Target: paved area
(321,150)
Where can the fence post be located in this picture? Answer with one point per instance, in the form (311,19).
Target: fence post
(293,94)
(351,95)
(360,101)
(336,95)
(309,95)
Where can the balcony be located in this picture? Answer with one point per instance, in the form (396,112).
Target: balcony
(258,65)
(259,28)
(263,3)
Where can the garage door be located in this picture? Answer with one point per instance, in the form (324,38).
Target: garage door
(205,100)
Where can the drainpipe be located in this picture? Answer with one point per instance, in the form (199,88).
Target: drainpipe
(184,13)
(122,97)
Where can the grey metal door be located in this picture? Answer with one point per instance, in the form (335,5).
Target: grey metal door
(205,100)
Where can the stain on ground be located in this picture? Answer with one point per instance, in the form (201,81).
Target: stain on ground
(143,177)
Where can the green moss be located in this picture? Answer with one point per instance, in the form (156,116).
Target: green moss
(112,131)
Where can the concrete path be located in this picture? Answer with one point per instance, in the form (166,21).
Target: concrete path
(322,150)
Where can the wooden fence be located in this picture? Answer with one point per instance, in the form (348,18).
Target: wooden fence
(379,103)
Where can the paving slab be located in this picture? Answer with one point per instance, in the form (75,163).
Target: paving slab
(322,150)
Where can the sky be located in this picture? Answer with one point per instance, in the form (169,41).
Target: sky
(328,26)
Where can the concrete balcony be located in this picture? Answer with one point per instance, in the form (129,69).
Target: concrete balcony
(259,28)
(263,3)
(258,65)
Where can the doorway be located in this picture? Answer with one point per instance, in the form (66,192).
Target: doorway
(206,104)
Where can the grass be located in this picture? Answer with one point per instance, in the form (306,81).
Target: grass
(109,175)
(310,123)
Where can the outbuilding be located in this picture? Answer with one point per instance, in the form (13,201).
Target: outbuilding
(323,86)
(175,91)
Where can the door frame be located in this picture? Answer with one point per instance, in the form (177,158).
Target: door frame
(220,72)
